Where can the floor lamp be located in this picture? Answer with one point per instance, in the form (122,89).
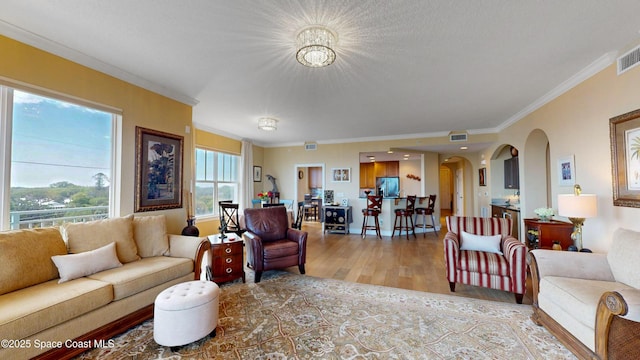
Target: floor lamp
(577,207)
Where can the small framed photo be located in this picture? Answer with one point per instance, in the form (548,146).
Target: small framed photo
(341,175)
(566,171)
(257,173)
(482,176)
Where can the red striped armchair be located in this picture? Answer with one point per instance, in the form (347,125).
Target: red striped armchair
(502,265)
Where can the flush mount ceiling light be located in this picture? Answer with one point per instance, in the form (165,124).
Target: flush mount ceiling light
(267,124)
(315,46)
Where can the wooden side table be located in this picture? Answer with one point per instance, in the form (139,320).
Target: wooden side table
(542,234)
(227,258)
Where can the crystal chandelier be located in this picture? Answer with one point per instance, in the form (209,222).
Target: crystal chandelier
(267,124)
(315,46)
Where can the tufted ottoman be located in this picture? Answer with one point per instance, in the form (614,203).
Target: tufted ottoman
(185,313)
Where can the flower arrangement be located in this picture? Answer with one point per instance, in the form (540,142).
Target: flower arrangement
(544,213)
(264,196)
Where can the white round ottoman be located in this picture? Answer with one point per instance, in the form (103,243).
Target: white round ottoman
(185,313)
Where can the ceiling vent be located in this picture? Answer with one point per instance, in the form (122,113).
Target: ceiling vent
(458,137)
(310,146)
(629,60)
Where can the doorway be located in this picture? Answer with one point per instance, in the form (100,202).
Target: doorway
(309,180)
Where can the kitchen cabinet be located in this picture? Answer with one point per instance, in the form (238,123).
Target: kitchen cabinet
(511,173)
(386,169)
(367,177)
(315,177)
(370,171)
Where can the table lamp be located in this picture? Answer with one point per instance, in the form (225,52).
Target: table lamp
(577,207)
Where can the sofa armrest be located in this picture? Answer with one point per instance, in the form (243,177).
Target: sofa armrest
(451,254)
(254,250)
(300,237)
(516,254)
(190,247)
(617,324)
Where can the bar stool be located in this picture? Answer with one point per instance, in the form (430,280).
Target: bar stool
(405,214)
(374,208)
(431,205)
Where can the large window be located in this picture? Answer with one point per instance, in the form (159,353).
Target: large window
(216,180)
(57,159)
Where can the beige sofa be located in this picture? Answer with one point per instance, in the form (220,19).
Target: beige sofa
(48,298)
(591,302)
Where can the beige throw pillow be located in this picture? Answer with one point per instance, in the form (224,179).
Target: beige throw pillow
(89,262)
(81,237)
(150,234)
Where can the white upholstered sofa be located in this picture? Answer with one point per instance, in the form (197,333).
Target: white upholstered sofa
(48,297)
(591,302)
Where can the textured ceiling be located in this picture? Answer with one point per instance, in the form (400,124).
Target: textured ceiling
(403,68)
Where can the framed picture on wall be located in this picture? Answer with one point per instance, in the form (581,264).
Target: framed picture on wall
(625,158)
(482,179)
(341,174)
(566,171)
(158,170)
(257,173)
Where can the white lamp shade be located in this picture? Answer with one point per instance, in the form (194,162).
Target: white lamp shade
(578,206)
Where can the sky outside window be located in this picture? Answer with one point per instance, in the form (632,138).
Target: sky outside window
(55,141)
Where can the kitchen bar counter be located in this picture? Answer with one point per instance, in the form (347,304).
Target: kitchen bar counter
(387,217)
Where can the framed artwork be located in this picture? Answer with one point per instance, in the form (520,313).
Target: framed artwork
(482,176)
(257,173)
(341,174)
(158,170)
(625,158)
(566,171)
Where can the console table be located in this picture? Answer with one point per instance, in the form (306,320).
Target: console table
(227,258)
(542,234)
(337,218)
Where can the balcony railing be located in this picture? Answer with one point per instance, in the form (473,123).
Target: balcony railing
(31,219)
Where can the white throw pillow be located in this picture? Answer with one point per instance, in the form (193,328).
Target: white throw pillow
(486,243)
(75,266)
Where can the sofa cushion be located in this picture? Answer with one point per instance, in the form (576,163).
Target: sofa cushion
(624,257)
(483,262)
(138,276)
(74,266)
(91,235)
(28,311)
(577,297)
(25,257)
(150,235)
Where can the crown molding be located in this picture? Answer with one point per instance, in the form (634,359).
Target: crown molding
(595,67)
(48,45)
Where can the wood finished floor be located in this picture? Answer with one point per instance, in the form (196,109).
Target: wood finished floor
(415,264)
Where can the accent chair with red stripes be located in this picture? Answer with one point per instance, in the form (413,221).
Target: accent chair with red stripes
(506,271)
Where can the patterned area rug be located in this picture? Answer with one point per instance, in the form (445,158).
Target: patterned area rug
(289,316)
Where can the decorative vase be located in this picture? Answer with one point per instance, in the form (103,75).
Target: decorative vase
(556,246)
(545,218)
(190,229)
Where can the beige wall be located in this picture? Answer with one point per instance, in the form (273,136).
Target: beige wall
(577,123)
(281,162)
(25,64)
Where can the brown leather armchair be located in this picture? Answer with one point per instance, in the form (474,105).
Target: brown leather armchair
(271,243)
